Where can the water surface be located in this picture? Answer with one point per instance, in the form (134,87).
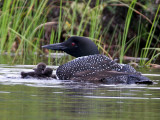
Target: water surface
(34,99)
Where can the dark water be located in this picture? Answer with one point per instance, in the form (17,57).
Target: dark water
(33,99)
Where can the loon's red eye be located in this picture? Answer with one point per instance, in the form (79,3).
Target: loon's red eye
(73,44)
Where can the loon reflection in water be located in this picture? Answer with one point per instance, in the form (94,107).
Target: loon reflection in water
(90,65)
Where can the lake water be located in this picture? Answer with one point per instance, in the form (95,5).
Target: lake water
(33,99)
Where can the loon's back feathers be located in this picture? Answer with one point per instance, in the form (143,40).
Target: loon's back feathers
(101,68)
(90,65)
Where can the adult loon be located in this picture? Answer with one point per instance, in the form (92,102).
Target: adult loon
(90,65)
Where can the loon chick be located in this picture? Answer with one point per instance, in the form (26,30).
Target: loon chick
(40,68)
(40,72)
(90,65)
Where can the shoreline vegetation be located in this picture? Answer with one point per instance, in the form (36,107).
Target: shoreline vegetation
(121,29)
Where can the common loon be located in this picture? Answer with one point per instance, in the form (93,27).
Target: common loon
(40,72)
(90,65)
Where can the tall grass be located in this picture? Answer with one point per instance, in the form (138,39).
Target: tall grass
(145,51)
(23,22)
(126,28)
(18,20)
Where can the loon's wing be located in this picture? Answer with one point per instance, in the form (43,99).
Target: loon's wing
(98,75)
(111,77)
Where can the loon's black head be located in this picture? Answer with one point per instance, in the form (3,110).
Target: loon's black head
(75,46)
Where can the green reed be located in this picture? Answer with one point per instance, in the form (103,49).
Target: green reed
(126,28)
(18,21)
(145,51)
(24,22)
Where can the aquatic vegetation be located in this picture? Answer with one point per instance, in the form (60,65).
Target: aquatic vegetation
(145,52)
(117,27)
(18,21)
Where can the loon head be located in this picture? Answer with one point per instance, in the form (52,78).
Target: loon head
(41,66)
(75,46)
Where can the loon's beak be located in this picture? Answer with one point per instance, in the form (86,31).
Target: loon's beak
(57,46)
